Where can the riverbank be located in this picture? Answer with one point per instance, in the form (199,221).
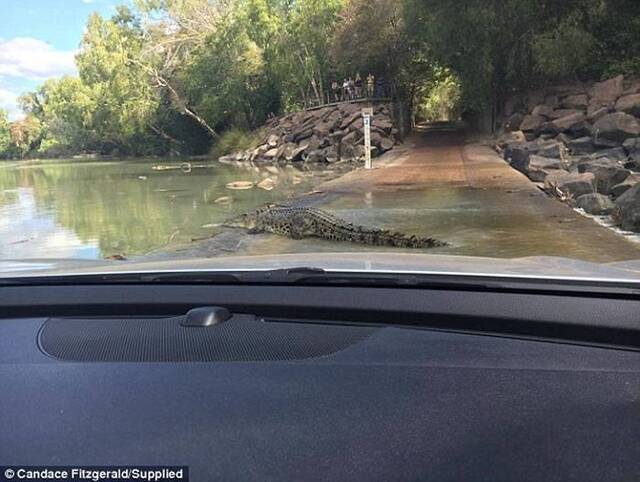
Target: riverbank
(439,184)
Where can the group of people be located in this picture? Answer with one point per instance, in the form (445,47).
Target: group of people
(357,88)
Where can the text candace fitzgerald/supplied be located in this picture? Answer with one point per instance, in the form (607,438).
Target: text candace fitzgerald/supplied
(94,474)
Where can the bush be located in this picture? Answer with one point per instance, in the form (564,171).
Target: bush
(565,51)
(231,141)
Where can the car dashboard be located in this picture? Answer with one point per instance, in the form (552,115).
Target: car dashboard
(322,383)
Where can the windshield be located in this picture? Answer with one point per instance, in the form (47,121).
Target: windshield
(417,134)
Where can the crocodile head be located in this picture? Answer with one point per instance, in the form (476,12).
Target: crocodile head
(244,221)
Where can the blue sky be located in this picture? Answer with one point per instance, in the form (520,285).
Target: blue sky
(38,39)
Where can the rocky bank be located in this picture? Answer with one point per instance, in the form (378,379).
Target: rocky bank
(329,134)
(582,142)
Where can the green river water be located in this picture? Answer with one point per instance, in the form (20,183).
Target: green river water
(86,209)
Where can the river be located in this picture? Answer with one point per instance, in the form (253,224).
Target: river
(87,209)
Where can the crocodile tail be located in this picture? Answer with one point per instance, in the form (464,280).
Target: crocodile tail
(398,240)
(404,241)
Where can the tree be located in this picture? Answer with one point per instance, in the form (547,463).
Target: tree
(5,134)
(303,51)
(26,135)
(120,90)
(371,37)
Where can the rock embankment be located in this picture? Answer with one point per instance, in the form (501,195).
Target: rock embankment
(324,135)
(583,142)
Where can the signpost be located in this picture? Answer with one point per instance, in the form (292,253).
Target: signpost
(367,114)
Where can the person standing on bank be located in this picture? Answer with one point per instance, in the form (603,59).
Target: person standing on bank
(335,88)
(370,84)
(345,89)
(358,85)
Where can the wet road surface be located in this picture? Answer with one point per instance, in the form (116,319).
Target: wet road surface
(461,192)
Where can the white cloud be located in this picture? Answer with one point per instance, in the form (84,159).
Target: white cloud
(88,1)
(34,59)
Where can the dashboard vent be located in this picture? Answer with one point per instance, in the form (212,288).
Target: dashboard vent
(242,338)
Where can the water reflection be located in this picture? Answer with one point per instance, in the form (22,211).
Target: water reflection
(98,209)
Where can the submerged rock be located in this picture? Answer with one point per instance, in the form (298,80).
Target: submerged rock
(267,184)
(240,185)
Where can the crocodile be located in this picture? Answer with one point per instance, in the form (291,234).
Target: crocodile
(302,222)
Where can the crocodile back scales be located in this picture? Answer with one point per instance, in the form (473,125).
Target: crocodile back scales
(300,222)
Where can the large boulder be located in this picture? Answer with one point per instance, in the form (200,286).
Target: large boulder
(569,184)
(273,140)
(331,154)
(597,204)
(627,210)
(510,138)
(532,123)
(613,129)
(632,145)
(597,113)
(580,129)
(559,113)
(549,148)
(315,156)
(581,146)
(606,176)
(629,104)
(547,130)
(632,148)
(543,110)
(634,88)
(539,167)
(517,155)
(607,92)
(294,152)
(545,148)
(579,101)
(619,189)
(513,122)
(565,123)
(615,154)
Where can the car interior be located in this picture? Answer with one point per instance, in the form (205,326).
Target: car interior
(313,381)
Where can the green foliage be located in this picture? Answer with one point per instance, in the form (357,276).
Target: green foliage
(123,100)
(302,52)
(5,134)
(439,99)
(173,76)
(565,51)
(233,140)
(371,37)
